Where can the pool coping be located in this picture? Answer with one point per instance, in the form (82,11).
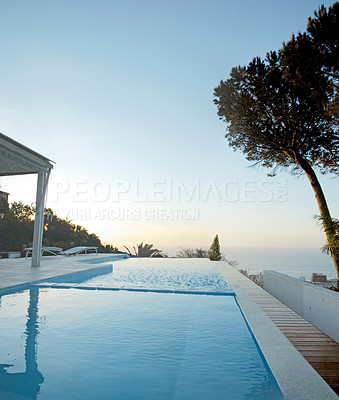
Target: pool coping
(18,271)
(295,376)
(52,284)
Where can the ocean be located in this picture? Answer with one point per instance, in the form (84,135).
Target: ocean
(295,262)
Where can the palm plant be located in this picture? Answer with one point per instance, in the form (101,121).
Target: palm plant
(144,250)
(332,225)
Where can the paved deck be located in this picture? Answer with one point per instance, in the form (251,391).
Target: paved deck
(18,271)
(320,351)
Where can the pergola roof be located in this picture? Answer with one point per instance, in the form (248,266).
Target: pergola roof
(17,159)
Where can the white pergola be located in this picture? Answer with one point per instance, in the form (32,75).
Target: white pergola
(17,159)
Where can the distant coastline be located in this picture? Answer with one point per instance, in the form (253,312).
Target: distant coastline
(293,261)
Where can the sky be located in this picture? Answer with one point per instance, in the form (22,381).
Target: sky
(119,94)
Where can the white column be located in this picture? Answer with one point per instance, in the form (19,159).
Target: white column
(39,216)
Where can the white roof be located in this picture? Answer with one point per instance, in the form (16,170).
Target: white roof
(17,159)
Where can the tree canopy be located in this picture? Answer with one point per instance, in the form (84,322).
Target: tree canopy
(63,233)
(16,226)
(282,111)
(275,122)
(16,229)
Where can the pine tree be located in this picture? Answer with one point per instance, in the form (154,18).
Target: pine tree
(214,253)
(283,111)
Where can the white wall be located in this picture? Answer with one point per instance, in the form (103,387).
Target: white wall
(317,305)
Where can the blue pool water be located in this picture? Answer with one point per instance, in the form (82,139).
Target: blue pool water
(198,275)
(89,344)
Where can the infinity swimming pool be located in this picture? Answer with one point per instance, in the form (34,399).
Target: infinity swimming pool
(167,274)
(117,344)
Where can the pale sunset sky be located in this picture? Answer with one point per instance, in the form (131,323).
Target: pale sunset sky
(119,94)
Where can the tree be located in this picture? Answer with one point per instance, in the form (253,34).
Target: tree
(16,229)
(201,253)
(283,111)
(214,253)
(145,250)
(109,248)
(192,253)
(63,233)
(311,58)
(16,226)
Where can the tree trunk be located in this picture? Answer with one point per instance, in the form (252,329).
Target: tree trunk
(322,204)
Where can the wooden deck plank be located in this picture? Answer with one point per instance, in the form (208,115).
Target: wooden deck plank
(315,359)
(305,334)
(285,323)
(328,373)
(316,352)
(304,331)
(296,342)
(325,366)
(332,381)
(317,348)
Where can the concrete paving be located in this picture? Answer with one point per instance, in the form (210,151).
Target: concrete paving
(18,271)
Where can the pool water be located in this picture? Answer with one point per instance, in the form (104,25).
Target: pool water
(184,274)
(77,344)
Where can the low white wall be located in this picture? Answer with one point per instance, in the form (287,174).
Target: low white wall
(317,305)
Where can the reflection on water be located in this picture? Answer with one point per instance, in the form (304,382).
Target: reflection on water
(129,346)
(25,383)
